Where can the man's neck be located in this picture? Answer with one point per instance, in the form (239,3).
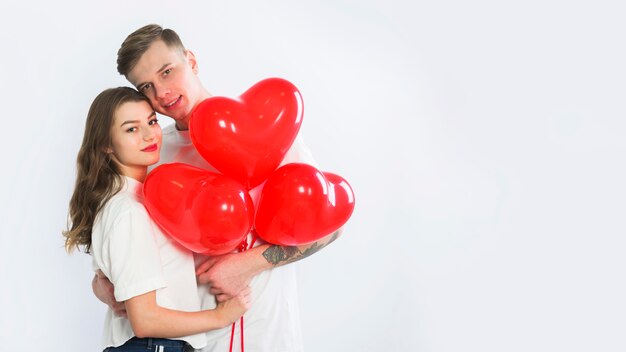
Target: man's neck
(182,125)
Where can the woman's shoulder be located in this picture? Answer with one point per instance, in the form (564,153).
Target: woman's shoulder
(122,205)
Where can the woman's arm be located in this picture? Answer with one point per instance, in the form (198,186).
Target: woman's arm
(150,320)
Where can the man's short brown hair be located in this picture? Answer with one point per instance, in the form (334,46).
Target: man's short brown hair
(138,42)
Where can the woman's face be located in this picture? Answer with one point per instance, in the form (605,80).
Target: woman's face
(135,137)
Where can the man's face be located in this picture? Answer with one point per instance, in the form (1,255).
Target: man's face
(169,79)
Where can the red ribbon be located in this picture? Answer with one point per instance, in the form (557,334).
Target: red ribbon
(242,248)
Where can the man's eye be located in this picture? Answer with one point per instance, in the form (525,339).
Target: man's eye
(145,87)
(167,72)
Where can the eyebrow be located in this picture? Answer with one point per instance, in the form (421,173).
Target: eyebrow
(158,71)
(163,67)
(129,121)
(136,121)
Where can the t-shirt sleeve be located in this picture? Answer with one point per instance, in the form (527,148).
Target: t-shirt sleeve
(132,255)
(299,153)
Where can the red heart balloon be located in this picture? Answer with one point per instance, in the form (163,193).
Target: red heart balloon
(204,211)
(300,204)
(247,138)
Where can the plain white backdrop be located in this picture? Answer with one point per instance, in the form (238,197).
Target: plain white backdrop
(484,141)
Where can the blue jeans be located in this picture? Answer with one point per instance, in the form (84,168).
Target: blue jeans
(151,345)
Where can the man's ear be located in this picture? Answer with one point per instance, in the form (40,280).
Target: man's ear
(191,58)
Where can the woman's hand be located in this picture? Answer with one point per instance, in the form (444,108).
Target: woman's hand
(231,310)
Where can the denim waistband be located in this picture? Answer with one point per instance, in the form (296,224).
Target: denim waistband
(149,342)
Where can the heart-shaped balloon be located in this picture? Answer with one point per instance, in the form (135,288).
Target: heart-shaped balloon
(300,204)
(204,211)
(247,138)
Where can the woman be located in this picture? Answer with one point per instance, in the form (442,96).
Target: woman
(151,273)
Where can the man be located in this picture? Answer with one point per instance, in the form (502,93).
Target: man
(155,61)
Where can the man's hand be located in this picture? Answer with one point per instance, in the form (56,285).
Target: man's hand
(103,289)
(229,274)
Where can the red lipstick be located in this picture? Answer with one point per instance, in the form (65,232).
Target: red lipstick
(150,148)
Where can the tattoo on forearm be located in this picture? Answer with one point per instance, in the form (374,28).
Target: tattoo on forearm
(277,254)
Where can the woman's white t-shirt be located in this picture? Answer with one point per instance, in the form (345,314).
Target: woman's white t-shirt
(137,257)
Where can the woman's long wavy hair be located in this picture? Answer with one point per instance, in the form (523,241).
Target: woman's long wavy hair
(98,177)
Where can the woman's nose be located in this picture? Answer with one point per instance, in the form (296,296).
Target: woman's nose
(149,134)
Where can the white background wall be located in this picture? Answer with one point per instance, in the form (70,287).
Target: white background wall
(484,141)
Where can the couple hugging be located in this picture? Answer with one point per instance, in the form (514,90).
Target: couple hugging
(161,296)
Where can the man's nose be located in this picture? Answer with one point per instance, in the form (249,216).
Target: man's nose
(161,90)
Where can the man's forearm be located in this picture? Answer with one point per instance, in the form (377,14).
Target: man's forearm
(230,273)
(276,255)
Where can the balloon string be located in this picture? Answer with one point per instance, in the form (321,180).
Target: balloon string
(242,248)
(241,326)
(254,238)
(232,335)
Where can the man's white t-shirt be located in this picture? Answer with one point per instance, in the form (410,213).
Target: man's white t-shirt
(272,324)
(137,257)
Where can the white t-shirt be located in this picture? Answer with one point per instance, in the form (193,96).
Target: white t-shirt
(272,324)
(138,258)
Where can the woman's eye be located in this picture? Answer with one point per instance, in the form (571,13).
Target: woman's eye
(153,122)
(132,129)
